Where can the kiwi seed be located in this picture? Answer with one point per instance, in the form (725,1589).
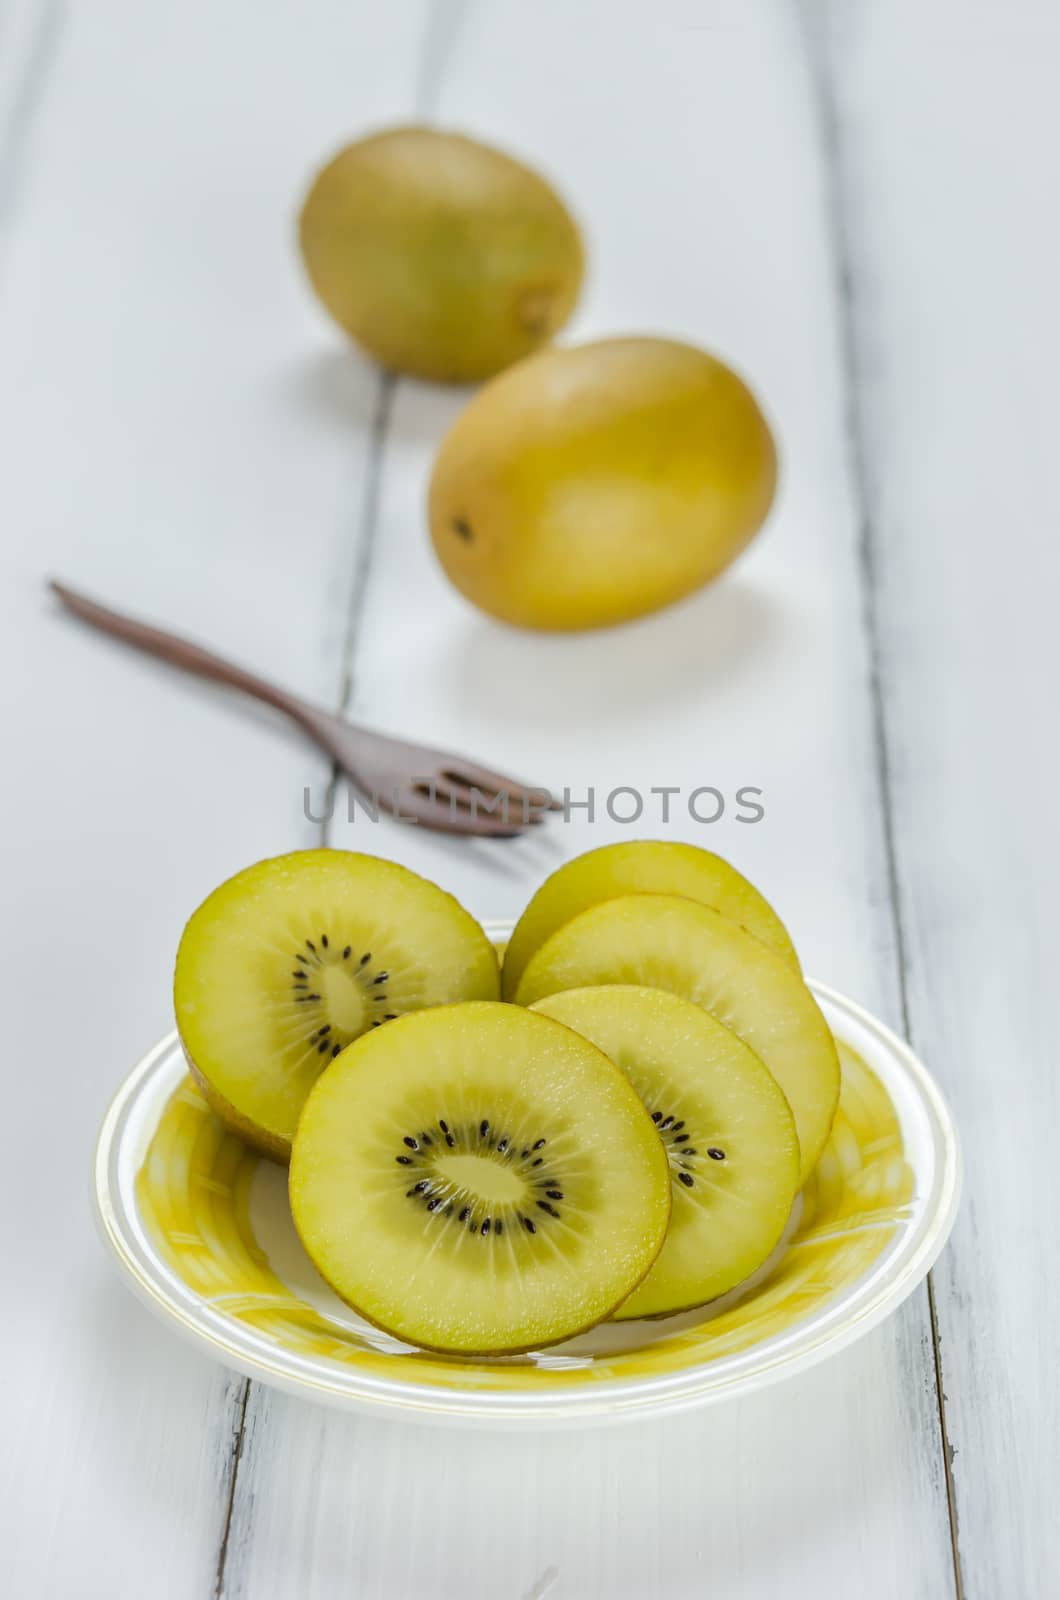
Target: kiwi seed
(321,959)
(680,1154)
(440,1195)
(708,1096)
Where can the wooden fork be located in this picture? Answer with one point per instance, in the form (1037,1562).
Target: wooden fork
(412,782)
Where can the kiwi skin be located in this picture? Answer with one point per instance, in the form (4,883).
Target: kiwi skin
(260,1139)
(441,256)
(497,1350)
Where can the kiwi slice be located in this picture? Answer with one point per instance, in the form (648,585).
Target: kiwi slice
(479,1180)
(294,958)
(667,942)
(727,1130)
(641,866)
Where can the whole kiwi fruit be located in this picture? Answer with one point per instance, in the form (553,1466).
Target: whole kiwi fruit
(442,257)
(598,482)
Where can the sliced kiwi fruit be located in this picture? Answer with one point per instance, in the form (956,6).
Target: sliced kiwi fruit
(727,1130)
(667,942)
(478,1179)
(641,866)
(293,958)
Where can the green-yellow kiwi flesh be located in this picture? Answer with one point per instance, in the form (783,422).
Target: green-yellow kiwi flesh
(293,958)
(666,942)
(640,866)
(478,1180)
(727,1129)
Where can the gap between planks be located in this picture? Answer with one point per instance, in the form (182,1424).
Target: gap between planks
(31,49)
(443,21)
(234,1458)
(367,525)
(816,25)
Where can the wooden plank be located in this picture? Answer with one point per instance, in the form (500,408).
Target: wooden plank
(959,342)
(181,436)
(688,143)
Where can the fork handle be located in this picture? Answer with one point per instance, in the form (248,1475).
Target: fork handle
(182,653)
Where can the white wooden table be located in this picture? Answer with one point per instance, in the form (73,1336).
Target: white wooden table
(857,204)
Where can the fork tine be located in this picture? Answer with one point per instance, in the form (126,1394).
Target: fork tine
(473,800)
(472,776)
(437,814)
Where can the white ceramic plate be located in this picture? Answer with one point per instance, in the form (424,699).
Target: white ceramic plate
(200,1226)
